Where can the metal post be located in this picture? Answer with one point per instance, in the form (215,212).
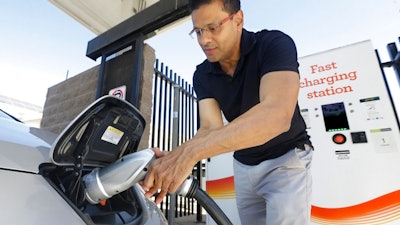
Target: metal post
(382,65)
(175,130)
(137,74)
(100,80)
(395,59)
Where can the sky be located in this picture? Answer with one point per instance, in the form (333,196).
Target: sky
(42,46)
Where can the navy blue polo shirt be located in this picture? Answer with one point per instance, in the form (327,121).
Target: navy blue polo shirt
(262,52)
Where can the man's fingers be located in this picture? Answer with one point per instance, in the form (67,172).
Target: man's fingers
(159,153)
(161,177)
(160,196)
(173,187)
(148,184)
(163,191)
(152,191)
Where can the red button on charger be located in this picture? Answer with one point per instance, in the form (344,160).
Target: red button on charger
(339,139)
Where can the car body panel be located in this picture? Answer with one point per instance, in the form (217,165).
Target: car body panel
(28,199)
(19,142)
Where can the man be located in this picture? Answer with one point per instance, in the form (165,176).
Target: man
(253,79)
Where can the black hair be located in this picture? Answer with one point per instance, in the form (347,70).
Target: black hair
(230,6)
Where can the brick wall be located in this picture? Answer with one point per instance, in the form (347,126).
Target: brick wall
(67,99)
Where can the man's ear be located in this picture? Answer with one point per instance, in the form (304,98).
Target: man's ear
(238,18)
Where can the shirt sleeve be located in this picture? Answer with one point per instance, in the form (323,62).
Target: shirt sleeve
(278,53)
(198,86)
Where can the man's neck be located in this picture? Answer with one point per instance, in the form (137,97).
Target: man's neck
(229,67)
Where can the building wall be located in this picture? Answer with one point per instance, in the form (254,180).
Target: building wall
(67,99)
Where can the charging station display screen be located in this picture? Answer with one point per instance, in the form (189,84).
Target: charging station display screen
(335,117)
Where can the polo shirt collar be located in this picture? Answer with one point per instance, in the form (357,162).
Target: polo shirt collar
(247,43)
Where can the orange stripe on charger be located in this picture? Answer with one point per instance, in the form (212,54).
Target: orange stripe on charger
(380,210)
(383,208)
(221,188)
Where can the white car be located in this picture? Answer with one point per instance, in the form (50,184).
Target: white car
(41,173)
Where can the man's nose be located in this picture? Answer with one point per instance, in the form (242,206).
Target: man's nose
(204,38)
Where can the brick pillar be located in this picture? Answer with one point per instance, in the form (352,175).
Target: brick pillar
(146,101)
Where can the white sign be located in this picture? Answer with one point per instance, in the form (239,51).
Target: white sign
(119,92)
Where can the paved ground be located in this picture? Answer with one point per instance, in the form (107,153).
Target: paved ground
(189,220)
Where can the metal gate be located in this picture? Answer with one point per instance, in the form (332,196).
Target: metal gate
(174,121)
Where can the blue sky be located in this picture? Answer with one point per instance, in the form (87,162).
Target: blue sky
(41,44)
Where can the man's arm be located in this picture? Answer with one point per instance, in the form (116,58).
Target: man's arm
(263,122)
(266,120)
(210,116)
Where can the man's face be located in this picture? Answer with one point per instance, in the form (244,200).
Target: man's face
(216,31)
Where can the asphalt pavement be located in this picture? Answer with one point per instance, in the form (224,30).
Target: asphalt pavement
(189,220)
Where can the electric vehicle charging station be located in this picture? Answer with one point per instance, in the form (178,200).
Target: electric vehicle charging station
(355,133)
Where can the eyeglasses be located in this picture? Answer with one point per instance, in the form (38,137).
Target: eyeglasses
(213,28)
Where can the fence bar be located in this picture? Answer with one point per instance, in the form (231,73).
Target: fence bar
(174,121)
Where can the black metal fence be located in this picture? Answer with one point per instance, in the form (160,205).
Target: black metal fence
(174,121)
